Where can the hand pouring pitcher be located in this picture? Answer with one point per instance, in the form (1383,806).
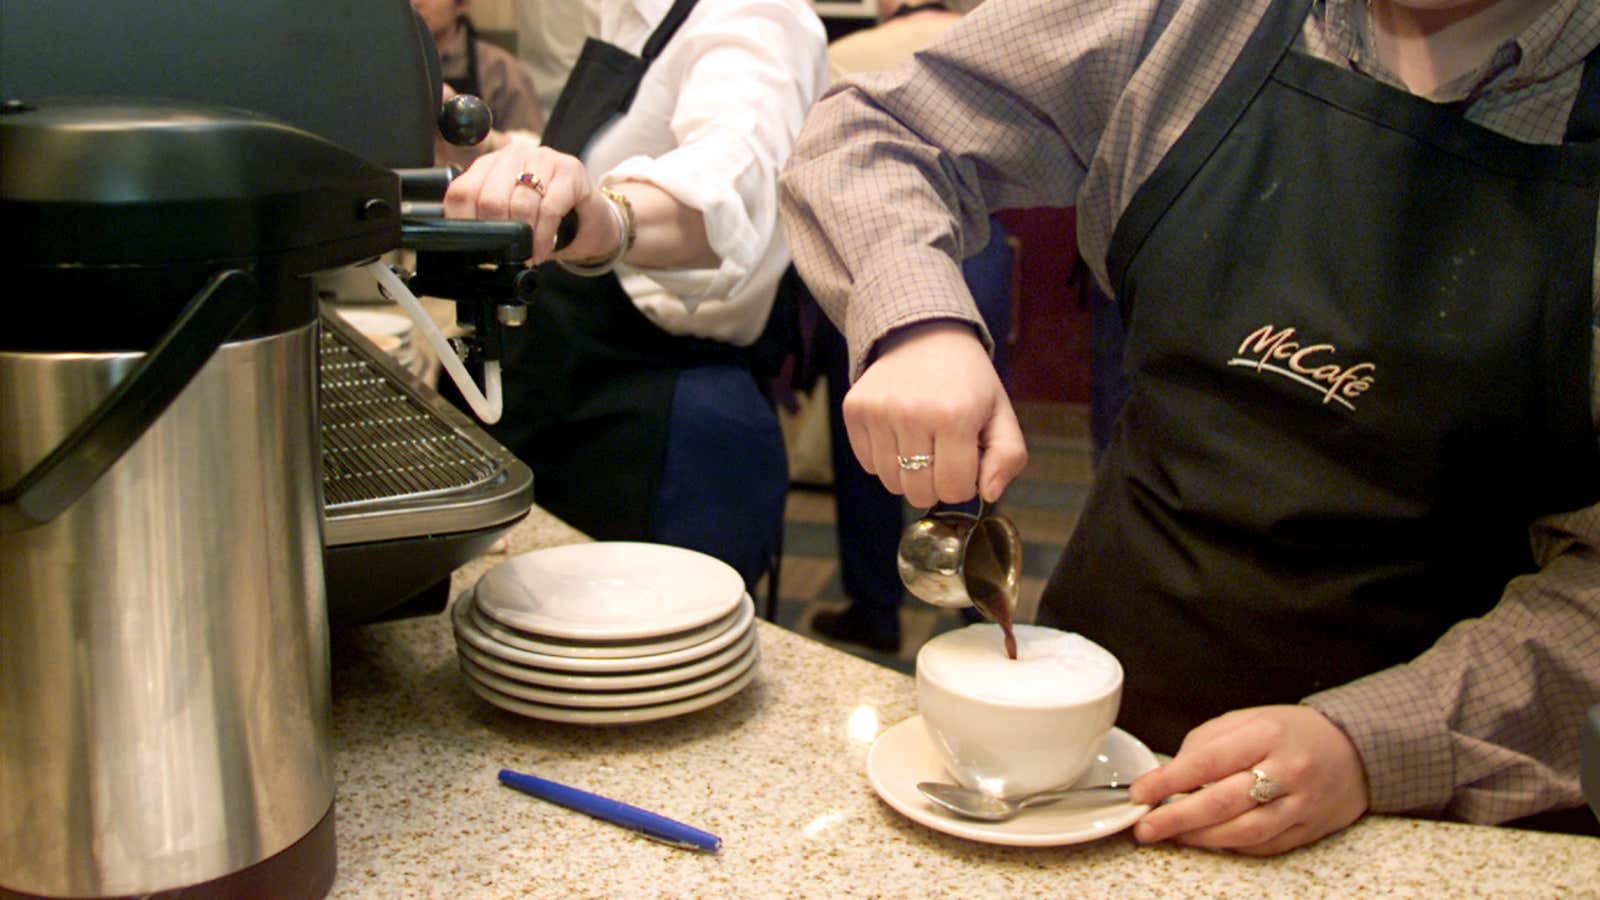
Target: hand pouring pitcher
(164,670)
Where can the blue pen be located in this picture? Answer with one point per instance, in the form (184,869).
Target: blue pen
(647,823)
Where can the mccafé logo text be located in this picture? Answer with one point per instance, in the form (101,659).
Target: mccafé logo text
(1275,350)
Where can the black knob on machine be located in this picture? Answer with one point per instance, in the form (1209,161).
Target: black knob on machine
(465,120)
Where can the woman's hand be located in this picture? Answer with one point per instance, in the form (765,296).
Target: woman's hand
(1322,783)
(933,392)
(556,183)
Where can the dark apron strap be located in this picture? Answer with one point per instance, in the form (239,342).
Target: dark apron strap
(669,26)
(603,83)
(1273,37)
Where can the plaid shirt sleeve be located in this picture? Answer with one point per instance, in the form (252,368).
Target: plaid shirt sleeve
(1485,725)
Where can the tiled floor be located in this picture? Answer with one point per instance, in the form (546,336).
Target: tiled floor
(1044,502)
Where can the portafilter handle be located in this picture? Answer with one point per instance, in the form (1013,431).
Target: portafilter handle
(422,202)
(479,264)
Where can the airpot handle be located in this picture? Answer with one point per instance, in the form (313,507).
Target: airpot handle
(131,407)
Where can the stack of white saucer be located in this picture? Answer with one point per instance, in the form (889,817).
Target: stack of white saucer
(389,332)
(607,633)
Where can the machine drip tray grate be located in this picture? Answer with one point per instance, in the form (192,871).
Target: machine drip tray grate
(412,489)
(378,443)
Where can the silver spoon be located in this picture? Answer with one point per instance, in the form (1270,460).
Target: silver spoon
(973,804)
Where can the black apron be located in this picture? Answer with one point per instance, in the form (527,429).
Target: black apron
(588,381)
(1359,336)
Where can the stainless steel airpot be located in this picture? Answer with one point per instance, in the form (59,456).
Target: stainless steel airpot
(164,659)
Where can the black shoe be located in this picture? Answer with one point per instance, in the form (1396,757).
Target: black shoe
(853,629)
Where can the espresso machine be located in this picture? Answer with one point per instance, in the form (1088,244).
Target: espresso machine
(201,471)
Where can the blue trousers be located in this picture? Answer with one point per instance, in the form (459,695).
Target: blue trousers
(726,473)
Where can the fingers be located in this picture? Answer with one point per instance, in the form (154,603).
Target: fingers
(932,400)
(1266,830)
(461,197)
(1005,453)
(885,454)
(1297,835)
(525,201)
(1213,751)
(566,185)
(860,440)
(483,190)
(915,451)
(955,466)
(1258,781)
(499,188)
(522,182)
(1208,817)
(1225,817)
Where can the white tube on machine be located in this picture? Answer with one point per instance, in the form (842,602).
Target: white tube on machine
(487,408)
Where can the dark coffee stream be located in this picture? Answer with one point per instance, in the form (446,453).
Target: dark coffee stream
(992,599)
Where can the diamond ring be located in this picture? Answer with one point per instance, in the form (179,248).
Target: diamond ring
(916,461)
(1264,788)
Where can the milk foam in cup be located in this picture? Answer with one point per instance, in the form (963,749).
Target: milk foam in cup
(1013,727)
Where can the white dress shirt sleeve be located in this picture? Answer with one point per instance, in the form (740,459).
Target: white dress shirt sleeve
(712,125)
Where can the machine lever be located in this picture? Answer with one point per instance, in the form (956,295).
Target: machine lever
(465,120)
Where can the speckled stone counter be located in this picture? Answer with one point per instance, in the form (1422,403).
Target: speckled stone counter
(776,772)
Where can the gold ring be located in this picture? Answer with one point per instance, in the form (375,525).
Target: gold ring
(530,180)
(1264,788)
(916,461)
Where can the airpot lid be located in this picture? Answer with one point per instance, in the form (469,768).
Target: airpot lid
(149,182)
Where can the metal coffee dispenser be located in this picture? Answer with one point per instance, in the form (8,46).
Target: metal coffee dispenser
(201,470)
(164,671)
(412,489)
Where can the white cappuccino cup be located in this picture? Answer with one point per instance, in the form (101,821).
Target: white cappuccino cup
(1010,727)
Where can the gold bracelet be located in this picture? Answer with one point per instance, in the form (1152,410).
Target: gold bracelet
(599,265)
(626,208)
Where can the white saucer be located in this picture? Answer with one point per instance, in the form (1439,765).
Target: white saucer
(467,631)
(601,649)
(903,755)
(628,681)
(379,324)
(609,591)
(610,700)
(628,716)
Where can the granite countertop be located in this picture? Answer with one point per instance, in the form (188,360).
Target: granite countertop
(779,772)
